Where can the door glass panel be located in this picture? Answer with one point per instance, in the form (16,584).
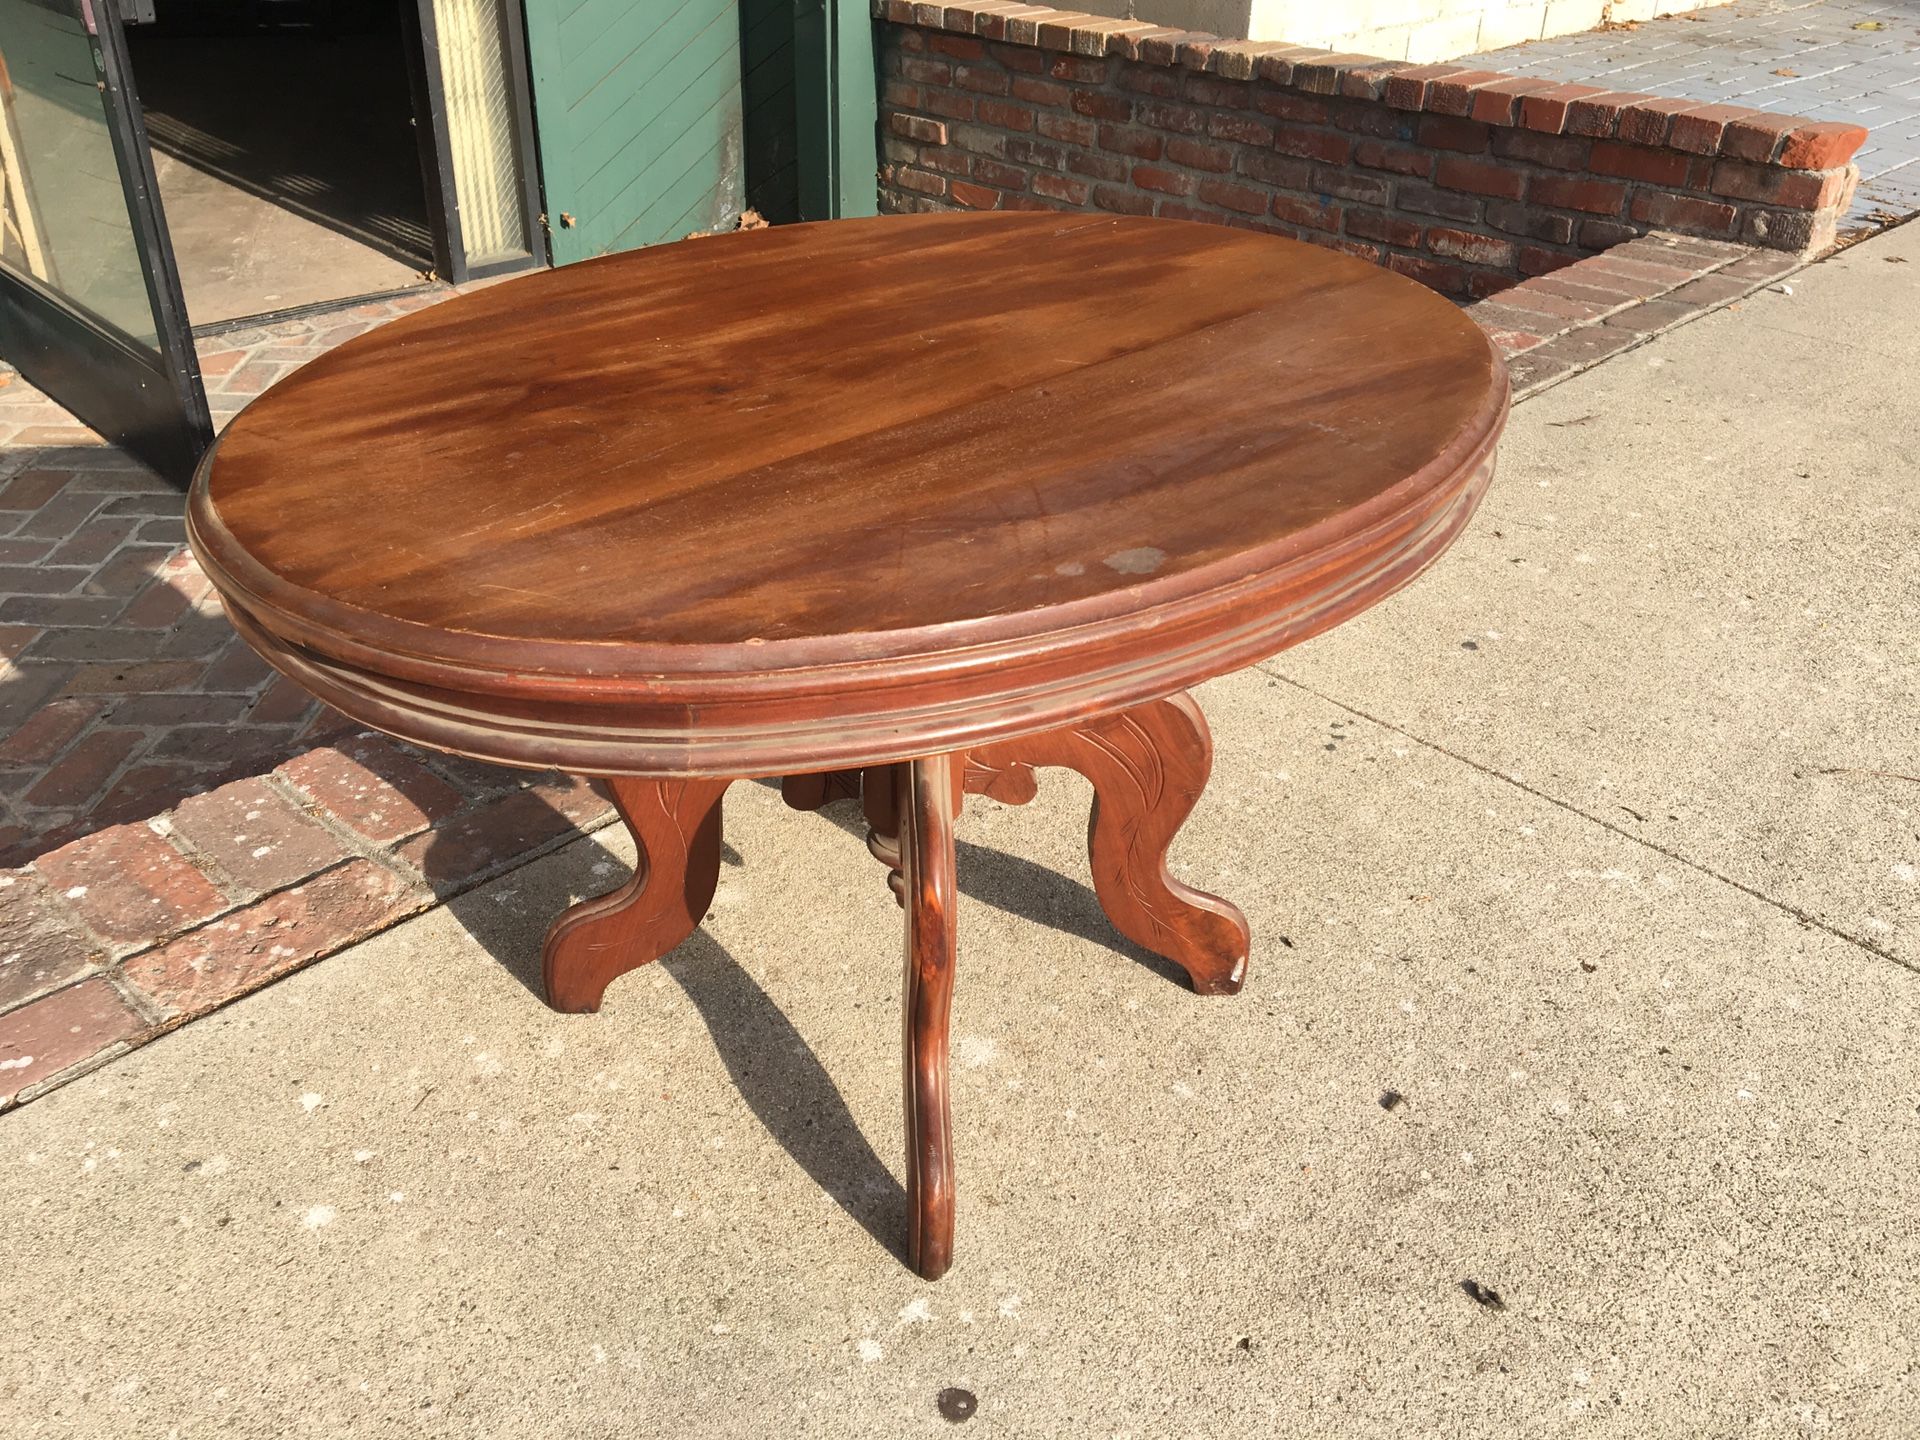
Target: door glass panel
(482,128)
(65,223)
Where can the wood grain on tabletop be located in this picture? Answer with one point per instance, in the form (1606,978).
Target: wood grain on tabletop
(845,428)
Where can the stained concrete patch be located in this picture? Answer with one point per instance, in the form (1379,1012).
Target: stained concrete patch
(1671,1129)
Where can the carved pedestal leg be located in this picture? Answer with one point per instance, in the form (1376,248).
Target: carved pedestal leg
(880,789)
(1148,766)
(810,792)
(676,830)
(926,792)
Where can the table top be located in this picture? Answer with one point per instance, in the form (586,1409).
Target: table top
(889,440)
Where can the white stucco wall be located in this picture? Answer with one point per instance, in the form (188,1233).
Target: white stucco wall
(1419,30)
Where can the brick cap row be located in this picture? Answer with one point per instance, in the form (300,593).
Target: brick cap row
(1698,128)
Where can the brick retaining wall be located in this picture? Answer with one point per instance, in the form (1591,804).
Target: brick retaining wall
(1463,179)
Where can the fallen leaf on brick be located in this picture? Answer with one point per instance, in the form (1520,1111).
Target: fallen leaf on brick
(1871,25)
(1790,74)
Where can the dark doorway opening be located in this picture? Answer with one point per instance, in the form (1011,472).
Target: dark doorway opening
(286,150)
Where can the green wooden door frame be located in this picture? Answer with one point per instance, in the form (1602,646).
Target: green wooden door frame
(806,107)
(637,106)
(836,103)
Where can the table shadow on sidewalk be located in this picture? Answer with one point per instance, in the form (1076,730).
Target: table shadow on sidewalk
(776,1071)
(1025,890)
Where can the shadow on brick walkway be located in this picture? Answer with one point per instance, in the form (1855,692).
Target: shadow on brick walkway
(185,825)
(126,690)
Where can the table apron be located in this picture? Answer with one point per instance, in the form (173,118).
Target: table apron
(708,725)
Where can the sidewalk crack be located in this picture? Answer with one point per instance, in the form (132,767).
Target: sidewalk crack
(1809,920)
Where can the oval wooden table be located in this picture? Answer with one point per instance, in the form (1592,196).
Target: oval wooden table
(907,506)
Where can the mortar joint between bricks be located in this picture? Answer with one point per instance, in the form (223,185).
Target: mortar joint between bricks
(352,841)
(138,1001)
(68,912)
(439,763)
(410,874)
(237,894)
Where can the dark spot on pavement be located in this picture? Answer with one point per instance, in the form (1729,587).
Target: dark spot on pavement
(1588,966)
(1483,1295)
(1244,1343)
(957,1404)
(1391,1099)
(1469,645)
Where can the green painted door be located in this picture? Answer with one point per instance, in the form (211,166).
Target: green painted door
(638,108)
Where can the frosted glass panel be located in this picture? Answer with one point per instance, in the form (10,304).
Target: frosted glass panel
(480,127)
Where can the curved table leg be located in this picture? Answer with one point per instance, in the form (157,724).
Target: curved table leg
(676,830)
(926,795)
(1148,766)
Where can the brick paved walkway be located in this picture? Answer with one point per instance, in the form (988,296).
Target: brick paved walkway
(185,827)
(1804,57)
(126,688)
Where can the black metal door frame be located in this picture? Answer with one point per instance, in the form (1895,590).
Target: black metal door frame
(436,142)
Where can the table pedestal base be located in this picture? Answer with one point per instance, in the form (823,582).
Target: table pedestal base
(1148,766)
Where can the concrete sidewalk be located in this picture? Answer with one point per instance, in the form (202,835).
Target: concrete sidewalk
(1597,848)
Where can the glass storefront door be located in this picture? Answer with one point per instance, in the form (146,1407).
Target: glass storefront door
(90,306)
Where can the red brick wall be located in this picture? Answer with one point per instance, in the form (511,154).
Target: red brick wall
(1465,180)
